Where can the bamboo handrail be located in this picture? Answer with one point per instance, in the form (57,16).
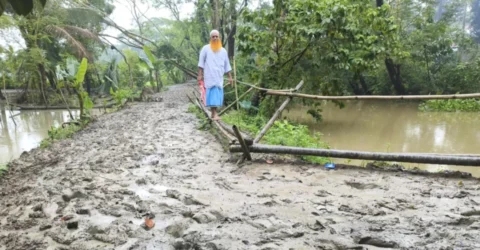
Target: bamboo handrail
(362,155)
(375,97)
(264,89)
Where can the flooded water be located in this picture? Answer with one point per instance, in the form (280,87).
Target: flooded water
(32,127)
(395,126)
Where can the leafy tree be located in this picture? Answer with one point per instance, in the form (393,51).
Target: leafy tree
(21,7)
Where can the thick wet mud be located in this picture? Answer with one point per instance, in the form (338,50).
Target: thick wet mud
(148,160)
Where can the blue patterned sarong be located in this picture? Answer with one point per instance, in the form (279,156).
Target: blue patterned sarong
(214,97)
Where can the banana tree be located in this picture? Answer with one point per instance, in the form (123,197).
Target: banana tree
(75,80)
(154,64)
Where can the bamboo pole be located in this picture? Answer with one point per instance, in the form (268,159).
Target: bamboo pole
(362,155)
(236,101)
(230,137)
(264,89)
(235,82)
(376,97)
(248,140)
(275,116)
(246,152)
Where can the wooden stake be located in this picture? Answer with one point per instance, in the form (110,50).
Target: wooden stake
(275,116)
(362,155)
(246,152)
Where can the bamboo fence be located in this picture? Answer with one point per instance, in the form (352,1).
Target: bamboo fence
(244,144)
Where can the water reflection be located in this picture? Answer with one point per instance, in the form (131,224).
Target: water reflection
(31,127)
(395,127)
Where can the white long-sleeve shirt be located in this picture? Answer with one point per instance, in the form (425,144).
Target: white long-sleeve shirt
(214,65)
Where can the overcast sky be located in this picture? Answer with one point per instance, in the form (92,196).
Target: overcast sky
(121,15)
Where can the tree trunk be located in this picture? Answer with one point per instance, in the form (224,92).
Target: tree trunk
(52,79)
(88,82)
(364,85)
(356,90)
(394,74)
(215,14)
(157,81)
(43,82)
(233,30)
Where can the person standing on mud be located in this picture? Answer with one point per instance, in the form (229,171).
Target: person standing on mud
(213,64)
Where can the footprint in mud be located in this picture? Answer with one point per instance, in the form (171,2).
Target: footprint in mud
(361,186)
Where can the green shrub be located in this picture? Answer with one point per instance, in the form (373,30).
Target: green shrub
(60,133)
(281,133)
(3,168)
(451,105)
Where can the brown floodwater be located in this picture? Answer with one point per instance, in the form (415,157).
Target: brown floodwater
(395,126)
(31,128)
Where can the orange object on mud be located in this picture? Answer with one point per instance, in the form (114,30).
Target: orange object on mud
(203,91)
(149,222)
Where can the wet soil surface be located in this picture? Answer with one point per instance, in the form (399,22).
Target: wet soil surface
(148,160)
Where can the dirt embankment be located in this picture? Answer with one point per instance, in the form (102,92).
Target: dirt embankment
(94,191)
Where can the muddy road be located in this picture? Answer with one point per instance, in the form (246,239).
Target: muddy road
(148,160)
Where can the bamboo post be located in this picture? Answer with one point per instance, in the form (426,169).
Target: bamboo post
(235,82)
(246,152)
(375,97)
(362,155)
(275,116)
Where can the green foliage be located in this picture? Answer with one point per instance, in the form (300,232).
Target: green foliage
(453,105)
(60,133)
(281,133)
(123,94)
(82,70)
(3,169)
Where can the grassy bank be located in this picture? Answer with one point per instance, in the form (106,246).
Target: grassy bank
(282,132)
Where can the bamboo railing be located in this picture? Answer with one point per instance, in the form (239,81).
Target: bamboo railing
(248,146)
(375,97)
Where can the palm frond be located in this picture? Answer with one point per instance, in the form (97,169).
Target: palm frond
(82,32)
(74,43)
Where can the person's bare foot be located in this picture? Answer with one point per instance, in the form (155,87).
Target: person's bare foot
(216,118)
